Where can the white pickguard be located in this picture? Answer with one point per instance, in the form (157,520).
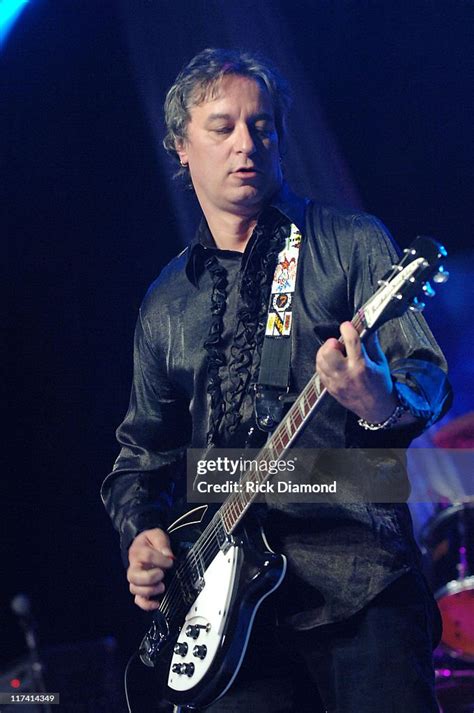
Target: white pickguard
(211,610)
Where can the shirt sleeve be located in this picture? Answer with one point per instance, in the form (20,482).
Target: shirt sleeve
(416,361)
(139,491)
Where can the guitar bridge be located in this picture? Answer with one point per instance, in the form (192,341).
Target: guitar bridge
(153,640)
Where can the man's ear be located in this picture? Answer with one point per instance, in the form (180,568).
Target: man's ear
(181,151)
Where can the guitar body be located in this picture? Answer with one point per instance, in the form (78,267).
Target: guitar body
(197,661)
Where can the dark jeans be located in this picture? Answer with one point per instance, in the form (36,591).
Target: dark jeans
(380,659)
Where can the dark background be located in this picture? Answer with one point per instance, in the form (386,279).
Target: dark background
(382,120)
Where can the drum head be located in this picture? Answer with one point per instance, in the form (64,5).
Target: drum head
(449,546)
(456,603)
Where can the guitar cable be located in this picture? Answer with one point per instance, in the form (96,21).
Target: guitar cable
(135,655)
(125,675)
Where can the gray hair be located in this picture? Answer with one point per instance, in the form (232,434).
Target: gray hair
(199,81)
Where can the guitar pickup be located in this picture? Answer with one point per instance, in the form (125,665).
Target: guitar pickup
(224,540)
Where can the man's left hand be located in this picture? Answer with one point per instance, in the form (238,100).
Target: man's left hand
(357,375)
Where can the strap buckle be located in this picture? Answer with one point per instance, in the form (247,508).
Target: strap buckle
(269,406)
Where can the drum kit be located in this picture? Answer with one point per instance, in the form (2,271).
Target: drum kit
(448,544)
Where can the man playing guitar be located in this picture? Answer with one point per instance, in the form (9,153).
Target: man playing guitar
(356,622)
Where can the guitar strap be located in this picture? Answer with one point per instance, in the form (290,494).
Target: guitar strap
(274,375)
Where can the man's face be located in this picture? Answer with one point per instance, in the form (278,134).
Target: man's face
(232,149)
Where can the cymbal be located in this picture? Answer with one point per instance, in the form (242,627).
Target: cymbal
(458,433)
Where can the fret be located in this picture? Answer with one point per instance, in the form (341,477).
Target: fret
(225,518)
(284,439)
(276,439)
(314,390)
(298,419)
(303,404)
(272,452)
(307,404)
(279,440)
(234,510)
(242,502)
(232,518)
(307,398)
(288,430)
(229,520)
(359,321)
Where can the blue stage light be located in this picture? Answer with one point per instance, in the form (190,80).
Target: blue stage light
(9,12)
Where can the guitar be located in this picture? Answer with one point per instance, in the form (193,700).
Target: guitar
(199,634)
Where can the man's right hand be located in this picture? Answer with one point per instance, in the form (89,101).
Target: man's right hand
(149,557)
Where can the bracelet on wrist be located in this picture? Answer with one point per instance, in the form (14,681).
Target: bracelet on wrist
(394,417)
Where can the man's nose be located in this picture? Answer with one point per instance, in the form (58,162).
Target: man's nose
(245,141)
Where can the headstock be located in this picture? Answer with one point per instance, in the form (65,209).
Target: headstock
(407,283)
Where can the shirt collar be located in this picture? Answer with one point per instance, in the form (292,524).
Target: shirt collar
(285,201)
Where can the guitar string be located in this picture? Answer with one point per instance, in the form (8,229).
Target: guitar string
(201,550)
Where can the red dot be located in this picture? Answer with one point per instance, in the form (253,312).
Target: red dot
(15,683)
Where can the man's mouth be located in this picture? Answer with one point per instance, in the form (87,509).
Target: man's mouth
(246,171)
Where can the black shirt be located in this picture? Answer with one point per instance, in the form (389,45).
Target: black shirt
(339,556)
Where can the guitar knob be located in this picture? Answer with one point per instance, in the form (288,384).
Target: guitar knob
(181,648)
(192,630)
(200,651)
(441,276)
(183,668)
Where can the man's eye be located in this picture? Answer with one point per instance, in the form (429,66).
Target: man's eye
(223,130)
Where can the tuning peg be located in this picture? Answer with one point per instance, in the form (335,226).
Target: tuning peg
(428,290)
(417,305)
(441,276)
